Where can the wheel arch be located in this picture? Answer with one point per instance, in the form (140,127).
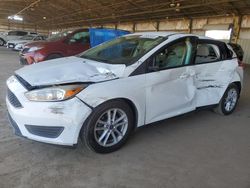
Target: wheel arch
(133,108)
(238,84)
(130,103)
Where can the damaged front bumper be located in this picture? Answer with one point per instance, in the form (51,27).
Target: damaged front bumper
(49,122)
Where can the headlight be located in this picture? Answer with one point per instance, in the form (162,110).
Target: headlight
(32,49)
(57,93)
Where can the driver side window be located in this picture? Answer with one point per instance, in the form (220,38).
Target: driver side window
(175,55)
(80,37)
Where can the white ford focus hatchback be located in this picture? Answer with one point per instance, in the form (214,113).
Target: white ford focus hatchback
(103,94)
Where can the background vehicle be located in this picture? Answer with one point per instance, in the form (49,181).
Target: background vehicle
(65,44)
(13,35)
(18,44)
(103,94)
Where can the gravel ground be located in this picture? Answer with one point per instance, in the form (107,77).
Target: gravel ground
(197,150)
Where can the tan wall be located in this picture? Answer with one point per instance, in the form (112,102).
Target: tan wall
(178,25)
(125,26)
(148,26)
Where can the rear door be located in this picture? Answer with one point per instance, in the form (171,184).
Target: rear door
(213,71)
(170,89)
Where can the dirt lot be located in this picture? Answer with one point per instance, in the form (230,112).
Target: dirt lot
(198,150)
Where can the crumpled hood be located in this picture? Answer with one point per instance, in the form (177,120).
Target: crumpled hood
(69,70)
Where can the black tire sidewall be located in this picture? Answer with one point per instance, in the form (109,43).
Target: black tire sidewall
(222,106)
(2,41)
(88,127)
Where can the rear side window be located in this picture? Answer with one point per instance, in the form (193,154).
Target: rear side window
(207,53)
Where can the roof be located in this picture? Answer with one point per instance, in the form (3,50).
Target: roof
(167,34)
(154,33)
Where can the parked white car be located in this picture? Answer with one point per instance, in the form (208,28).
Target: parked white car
(18,44)
(13,35)
(106,92)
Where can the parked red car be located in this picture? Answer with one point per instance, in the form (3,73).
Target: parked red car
(63,44)
(67,43)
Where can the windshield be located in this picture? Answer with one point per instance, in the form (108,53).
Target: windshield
(59,36)
(28,37)
(124,50)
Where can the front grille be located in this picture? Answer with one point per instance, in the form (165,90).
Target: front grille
(45,131)
(14,125)
(13,99)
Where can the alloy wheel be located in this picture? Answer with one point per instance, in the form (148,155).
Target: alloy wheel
(231,99)
(111,127)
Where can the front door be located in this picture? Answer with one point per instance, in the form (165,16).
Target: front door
(170,89)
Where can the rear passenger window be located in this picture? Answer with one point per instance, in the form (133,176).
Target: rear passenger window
(207,53)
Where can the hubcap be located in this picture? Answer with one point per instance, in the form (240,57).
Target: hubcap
(231,100)
(111,127)
(1,42)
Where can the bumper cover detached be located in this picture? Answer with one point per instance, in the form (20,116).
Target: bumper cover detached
(49,122)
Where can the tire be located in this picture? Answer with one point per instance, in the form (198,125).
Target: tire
(53,56)
(228,101)
(93,132)
(2,42)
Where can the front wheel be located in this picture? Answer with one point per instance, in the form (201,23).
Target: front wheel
(229,100)
(108,127)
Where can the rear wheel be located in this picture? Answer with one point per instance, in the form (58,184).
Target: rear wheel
(2,42)
(109,127)
(229,100)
